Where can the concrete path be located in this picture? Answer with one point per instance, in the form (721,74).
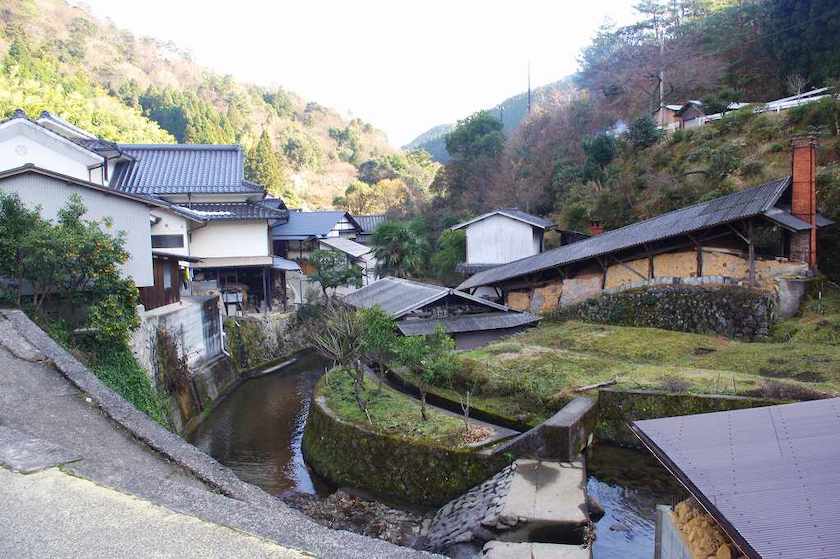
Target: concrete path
(109,482)
(505,550)
(53,514)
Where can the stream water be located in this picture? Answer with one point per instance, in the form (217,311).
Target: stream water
(257,431)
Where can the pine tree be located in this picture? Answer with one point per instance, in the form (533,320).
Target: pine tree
(264,166)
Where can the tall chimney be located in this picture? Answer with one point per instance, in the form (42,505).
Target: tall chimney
(803,246)
(595,228)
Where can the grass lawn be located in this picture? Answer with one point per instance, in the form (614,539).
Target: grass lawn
(390,411)
(531,375)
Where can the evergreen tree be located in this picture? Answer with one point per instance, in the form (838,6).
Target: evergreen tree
(264,166)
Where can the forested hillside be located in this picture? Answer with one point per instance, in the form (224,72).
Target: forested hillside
(597,155)
(511,112)
(63,59)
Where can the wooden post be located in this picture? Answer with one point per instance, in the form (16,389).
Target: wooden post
(752,251)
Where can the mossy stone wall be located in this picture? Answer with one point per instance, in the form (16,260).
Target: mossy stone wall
(389,466)
(617,408)
(732,311)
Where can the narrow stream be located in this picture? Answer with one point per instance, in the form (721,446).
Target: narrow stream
(257,433)
(257,430)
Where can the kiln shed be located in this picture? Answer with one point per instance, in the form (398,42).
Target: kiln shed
(419,308)
(768,476)
(755,236)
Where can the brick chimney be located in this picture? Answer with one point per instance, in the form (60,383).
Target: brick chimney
(803,246)
(595,228)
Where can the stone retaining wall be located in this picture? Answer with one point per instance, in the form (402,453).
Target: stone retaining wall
(732,311)
(617,407)
(389,466)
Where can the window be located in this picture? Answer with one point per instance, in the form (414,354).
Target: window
(167,241)
(167,276)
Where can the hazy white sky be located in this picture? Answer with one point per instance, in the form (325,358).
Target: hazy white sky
(403,66)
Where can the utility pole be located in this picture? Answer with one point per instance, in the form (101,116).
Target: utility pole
(529,87)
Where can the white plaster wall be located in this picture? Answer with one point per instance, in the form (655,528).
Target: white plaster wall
(499,239)
(22,144)
(231,238)
(184,320)
(172,224)
(127,215)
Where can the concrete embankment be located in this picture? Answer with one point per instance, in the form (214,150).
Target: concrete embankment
(51,401)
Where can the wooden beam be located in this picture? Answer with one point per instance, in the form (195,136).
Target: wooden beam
(740,235)
(629,268)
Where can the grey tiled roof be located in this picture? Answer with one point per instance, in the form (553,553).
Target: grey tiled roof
(513,213)
(726,209)
(180,168)
(304,225)
(467,323)
(398,297)
(369,223)
(231,210)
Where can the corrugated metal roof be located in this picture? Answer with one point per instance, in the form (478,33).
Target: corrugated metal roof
(786,220)
(770,476)
(285,264)
(234,262)
(180,168)
(740,205)
(369,223)
(513,213)
(303,225)
(232,210)
(346,246)
(398,297)
(467,323)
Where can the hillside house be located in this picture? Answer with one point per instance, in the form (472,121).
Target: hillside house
(305,232)
(757,236)
(420,308)
(676,117)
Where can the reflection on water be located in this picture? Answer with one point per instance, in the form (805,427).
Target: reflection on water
(257,430)
(628,484)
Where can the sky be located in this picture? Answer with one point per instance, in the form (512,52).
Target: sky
(404,66)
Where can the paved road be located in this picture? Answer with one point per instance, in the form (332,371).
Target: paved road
(53,514)
(98,491)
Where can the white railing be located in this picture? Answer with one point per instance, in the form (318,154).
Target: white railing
(776,106)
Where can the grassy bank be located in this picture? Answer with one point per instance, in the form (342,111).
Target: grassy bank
(531,375)
(391,412)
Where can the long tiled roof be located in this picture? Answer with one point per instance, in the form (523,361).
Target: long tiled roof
(740,205)
(304,225)
(232,210)
(180,168)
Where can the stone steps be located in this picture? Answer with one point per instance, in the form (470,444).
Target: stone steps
(530,550)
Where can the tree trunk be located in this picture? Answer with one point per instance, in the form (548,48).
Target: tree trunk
(423,405)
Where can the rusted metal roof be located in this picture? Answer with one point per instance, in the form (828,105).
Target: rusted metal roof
(770,476)
(726,209)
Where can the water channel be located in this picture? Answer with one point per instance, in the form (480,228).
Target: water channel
(257,433)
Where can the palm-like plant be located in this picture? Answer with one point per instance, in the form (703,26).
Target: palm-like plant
(400,248)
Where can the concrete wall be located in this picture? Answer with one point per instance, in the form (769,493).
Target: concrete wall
(127,215)
(172,224)
(670,543)
(22,142)
(185,320)
(231,238)
(499,239)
